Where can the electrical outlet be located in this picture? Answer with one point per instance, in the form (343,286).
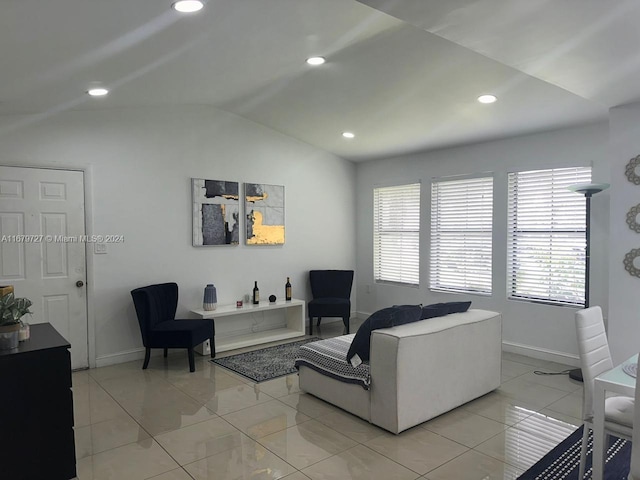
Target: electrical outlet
(99,248)
(367,288)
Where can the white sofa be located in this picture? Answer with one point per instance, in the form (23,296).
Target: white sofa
(420,370)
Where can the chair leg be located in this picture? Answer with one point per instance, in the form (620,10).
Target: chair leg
(583,450)
(318,324)
(192,366)
(212,344)
(345,320)
(165,352)
(147,355)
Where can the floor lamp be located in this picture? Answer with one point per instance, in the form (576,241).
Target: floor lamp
(588,190)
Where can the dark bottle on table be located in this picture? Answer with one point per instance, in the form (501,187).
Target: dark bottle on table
(287,290)
(256,294)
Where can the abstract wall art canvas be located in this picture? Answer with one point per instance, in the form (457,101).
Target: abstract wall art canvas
(216,212)
(264,209)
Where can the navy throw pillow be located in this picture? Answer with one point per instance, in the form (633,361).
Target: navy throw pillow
(385,318)
(430,311)
(362,340)
(406,314)
(452,307)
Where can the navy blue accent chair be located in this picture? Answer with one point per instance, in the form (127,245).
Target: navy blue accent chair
(156,310)
(331,290)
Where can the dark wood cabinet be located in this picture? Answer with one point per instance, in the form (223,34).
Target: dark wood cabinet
(36,408)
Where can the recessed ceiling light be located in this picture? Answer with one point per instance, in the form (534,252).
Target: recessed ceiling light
(487,98)
(187,6)
(97,92)
(315,60)
(348,135)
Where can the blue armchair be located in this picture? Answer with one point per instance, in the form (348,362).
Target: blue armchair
(331,290)
(156,309)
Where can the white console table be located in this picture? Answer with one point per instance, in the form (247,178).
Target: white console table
(294,314)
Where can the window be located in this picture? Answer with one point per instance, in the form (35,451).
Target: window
(461,235)
(546,236)
(396,234)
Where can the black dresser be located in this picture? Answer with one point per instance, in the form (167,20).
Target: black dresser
(36,408)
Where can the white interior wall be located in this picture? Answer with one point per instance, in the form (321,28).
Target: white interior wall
(140,164)
(624,305)
(538,330)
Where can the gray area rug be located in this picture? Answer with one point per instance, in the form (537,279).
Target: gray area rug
(265,363)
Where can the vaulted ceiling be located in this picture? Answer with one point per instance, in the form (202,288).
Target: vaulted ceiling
(402,75)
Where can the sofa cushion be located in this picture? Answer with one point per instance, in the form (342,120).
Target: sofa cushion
(385,318)
(451,307)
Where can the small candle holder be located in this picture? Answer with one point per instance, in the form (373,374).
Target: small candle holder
(25,332)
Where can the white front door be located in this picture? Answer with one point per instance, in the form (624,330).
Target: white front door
(42,252)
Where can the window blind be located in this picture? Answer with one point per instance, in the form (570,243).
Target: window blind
(461,235)
(547,236)
(396,234)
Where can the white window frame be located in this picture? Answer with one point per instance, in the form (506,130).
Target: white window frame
(462,235)
(546,236)
(396,234)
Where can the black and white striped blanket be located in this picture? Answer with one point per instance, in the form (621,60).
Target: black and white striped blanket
(329,357)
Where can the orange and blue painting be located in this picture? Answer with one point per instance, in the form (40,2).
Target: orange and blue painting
(216,212)
(264,209)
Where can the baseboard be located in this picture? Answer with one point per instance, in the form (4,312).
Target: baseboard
(520,349)
(335,319)
(138,354)
(122,357)
(541,353)
(326,320)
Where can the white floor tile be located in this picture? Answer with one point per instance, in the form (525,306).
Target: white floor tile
(165,423)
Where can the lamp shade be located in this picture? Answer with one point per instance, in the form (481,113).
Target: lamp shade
(588,188)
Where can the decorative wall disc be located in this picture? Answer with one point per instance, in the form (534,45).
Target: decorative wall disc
(628,262)
(630,170)
(632,218)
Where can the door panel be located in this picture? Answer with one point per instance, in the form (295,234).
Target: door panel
(42,252)
(12,254)
(55,253)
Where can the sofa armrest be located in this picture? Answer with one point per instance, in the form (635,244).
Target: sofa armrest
(422,370)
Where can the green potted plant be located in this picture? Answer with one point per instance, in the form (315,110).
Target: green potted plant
(12,310)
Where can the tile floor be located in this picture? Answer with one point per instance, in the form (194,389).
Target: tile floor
(165,423)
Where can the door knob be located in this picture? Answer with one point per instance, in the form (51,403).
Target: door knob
(79,283)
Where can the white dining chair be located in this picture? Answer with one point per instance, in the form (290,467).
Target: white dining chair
(595,359)
(634,472)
